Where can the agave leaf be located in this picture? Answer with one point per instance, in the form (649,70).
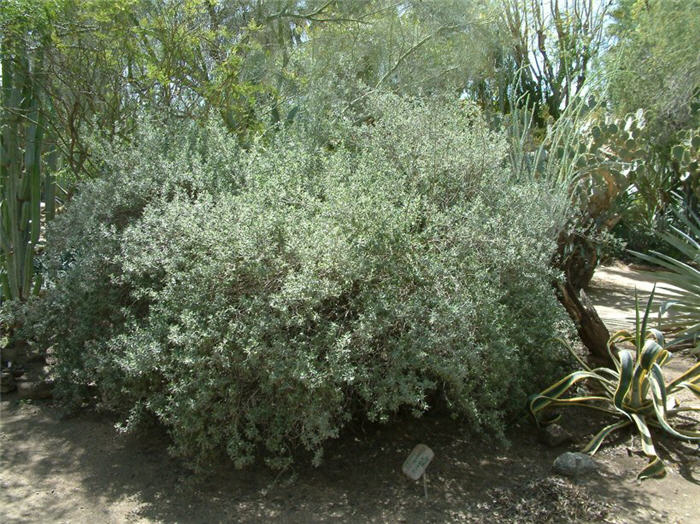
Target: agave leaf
(583,402)
(637,390)
(645,320)
(626,374)
(685,408)
(691,376)
(693,388)
(614,376)
(659,398)
(637,324)
(656,335)
(566,344)
(655,469)
(647,443)
(595,443)
(650,353)
(540,401)
(618,336)
(610,384)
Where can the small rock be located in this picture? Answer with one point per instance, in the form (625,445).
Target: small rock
(39,390)
(574,464)
(554,435)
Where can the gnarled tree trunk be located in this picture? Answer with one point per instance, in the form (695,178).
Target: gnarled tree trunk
(578,262)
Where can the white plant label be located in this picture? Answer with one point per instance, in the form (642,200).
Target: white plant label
(417,461)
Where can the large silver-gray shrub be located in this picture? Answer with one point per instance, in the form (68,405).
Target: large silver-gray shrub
(258,305)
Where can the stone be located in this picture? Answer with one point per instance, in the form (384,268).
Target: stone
(554,435)
(37,390)
(574,464)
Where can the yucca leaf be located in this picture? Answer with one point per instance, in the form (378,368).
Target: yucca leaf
(668,262)
(683,242)
(598,439)
(684,276)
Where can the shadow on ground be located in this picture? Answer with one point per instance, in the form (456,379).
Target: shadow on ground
(613,289)
(80,469)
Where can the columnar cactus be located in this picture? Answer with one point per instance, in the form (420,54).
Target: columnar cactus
(20,176)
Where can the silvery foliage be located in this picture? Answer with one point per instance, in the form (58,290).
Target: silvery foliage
(257,301)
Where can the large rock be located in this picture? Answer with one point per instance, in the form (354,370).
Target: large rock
(573,464)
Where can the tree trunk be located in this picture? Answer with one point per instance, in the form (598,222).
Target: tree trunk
(578,259)
(593,332)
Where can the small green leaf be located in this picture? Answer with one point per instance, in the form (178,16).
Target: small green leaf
(677,152)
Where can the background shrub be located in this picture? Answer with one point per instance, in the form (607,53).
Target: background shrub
(256,301)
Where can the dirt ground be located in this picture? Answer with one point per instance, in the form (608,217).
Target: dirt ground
(79,469)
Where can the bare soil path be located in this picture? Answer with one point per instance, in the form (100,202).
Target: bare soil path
(79,469)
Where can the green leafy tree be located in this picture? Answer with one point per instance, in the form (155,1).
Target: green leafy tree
(551,47)
(653,65)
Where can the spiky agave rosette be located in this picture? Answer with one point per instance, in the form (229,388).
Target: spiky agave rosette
(635,390)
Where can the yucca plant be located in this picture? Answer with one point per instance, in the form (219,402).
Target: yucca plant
(684,276)
(635,390)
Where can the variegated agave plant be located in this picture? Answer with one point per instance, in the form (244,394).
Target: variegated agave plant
(635,390)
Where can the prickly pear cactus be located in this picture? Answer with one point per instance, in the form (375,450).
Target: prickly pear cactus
(685,159)
(610,156)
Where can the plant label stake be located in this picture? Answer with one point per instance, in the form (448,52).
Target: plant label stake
(416,463)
